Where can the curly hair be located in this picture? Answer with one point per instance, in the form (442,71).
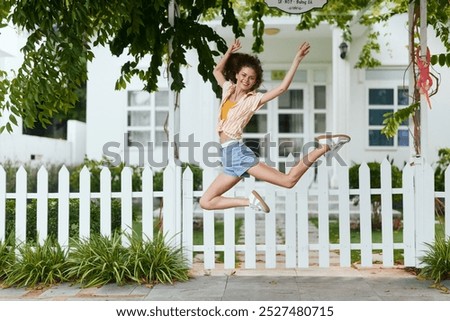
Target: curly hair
(237,61)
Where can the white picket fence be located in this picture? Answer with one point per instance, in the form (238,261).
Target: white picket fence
(296,245)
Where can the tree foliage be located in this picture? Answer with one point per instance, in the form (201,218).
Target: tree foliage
(438,16)
(61,35)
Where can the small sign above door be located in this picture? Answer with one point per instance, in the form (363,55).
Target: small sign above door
(296,6)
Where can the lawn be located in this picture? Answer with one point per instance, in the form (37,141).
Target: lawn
(355,238)
(198,233)
(334,237)
(218,235)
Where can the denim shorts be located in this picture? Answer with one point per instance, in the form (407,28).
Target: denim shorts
(237,158)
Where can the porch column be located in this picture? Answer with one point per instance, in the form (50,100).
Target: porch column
(172,173)
(340,99)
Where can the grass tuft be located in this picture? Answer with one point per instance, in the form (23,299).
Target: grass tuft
(35,265)
(437,260)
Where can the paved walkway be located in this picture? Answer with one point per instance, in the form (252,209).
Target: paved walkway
(260,284)
(312,284)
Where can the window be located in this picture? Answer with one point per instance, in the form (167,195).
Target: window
(320,112)
(382,100)
(146,115)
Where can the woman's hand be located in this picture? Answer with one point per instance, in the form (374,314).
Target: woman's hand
(302,51)
(217,72)
(235,46)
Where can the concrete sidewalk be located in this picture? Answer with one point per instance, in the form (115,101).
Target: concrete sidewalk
(312,284)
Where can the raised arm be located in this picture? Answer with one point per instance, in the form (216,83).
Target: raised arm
(302,51)
(218,70)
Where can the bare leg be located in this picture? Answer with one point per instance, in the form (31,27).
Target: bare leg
(212,199)
(271,175)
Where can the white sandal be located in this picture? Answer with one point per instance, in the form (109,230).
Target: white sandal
(257,203)
(334,142)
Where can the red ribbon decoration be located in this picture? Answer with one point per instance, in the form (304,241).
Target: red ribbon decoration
(424,81)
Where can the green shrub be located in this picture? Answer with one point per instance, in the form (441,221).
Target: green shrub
(32,171)
(95,167)
(437,260)
(39,264)
(52,223)
(6,257)
(375,182)
(442,165)
(155,261)
(375,177)
(101,260)
(197,174)
(98,260)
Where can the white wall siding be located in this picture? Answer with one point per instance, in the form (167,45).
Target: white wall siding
(36,150)
(394,54)
(105,114)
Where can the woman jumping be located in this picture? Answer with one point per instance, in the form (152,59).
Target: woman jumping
(240,75)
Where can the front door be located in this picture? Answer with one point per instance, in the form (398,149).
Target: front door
(288,124)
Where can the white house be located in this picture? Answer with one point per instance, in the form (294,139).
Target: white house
(17,147)
(327,95)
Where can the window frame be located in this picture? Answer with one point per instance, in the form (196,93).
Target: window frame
(152,127)
(395,85)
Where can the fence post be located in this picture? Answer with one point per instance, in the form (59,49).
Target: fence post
(21,205)
(409,238)
(42,205)
(85,203)
(386,214)
(188,215)
(303,218)
(270,234)
(208,225)
(250,228)
(168,205)
(170,201)
(229,222)
(365,215)
(447,202)
(344,216)
(323,215)
(424,195)
(63,206)
(2,204)
(127,204)
(147,203)
(290,212)
(105,201)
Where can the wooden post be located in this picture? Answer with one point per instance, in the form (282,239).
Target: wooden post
(21,205)
(63,206)
(324,215)
(386,214)
(147,204)
(105,202)
(2,204)
(127,205)
(42,205)
(365,205)
(85,203)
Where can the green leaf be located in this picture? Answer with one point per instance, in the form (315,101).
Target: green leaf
(434,59)
(393,120)
(442,59)
(13,119)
